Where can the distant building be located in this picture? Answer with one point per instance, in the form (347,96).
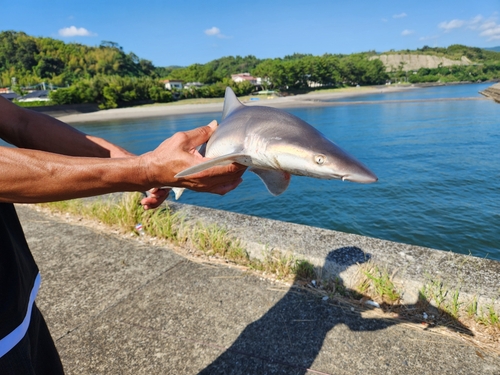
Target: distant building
(35,96)
(173,84)
(195,85)
(241,77)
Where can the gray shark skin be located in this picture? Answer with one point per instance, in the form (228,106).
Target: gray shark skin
(276,145)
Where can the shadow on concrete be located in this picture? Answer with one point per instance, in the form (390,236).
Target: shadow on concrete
(289,337)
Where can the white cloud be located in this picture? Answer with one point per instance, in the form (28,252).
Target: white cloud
(407,32)
(492,32)
(401,15)
(489,27)
(75,31)
(215,31)
(474,22)
(453,24)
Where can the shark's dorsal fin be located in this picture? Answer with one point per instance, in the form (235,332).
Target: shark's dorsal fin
(276,181)
(231,103)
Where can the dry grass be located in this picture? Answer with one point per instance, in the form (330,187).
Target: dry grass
(438,307)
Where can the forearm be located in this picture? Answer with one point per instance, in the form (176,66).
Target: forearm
(28,176)
(28,129)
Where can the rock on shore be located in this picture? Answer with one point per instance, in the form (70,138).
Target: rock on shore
(492,92)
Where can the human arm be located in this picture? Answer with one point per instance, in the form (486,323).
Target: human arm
(29,175)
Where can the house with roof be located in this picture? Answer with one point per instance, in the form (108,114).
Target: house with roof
(173,84)
(242,77)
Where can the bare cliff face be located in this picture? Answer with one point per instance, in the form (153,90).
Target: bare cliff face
(414,62)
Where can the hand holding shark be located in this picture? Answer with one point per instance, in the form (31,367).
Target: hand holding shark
(275,145)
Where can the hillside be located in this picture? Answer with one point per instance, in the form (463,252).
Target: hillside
(33,60)
(413,62)
(106,75)
(437,57)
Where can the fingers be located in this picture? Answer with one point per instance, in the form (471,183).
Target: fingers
(179,153)
(224,189)
(155,198)
(200,135)
(217,180)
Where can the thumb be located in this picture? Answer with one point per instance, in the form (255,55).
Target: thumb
(202,134)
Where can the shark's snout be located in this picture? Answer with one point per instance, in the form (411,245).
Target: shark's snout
(363,177)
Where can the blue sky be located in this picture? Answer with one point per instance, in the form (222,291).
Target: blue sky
(184,32)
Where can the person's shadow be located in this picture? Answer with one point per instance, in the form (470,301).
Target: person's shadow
(287,339)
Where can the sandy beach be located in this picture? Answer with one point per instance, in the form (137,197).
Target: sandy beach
(178,108)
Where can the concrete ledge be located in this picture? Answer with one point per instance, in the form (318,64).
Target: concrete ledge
(339,253)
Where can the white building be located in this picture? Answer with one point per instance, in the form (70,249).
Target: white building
(241,77)
(173,84)
(196,85)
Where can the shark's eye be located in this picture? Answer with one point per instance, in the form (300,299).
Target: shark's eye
(319,159)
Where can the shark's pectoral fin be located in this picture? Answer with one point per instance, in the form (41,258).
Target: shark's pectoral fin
(178,192)
(276,181)
(221,160)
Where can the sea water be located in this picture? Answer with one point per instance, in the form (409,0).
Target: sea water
(438,163)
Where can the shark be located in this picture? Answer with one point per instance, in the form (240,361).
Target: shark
(275,144)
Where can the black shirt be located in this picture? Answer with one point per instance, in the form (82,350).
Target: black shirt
(18,271)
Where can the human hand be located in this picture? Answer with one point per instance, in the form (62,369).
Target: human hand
(178,153)
(154,198)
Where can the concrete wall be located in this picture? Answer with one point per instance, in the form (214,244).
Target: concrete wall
(340,253)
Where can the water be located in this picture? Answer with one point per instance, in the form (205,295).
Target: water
(438,164)
(438,92)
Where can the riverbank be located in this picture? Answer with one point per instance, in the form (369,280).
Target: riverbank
(314,99)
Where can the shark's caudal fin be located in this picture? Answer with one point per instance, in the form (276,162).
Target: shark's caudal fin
(276,181)
(231,103)
(221,160)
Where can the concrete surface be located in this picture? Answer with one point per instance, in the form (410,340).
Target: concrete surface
(116,305)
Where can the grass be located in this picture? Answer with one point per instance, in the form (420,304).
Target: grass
(213,241)
(380,283)
(472,308)
(210,240)
(36,103)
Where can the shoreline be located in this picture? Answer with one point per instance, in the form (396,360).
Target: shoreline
(315,99)
(296,101)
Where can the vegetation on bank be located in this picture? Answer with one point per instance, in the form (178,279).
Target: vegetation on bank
(375,289)
(108,76)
